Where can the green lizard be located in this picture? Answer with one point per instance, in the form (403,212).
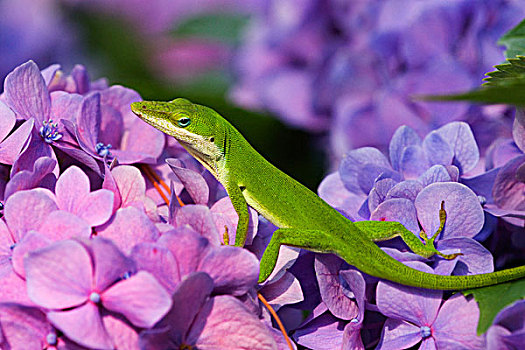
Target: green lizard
(305,220)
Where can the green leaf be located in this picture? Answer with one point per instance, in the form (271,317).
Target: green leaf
(509,73)
(224,27)
(504,85)
(492,299)
(514,41)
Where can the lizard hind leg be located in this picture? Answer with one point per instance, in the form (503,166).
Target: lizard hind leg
(313,240)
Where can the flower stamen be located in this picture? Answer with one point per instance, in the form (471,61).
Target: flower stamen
(49,131)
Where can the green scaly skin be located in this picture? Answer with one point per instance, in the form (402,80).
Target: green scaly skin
(305,220)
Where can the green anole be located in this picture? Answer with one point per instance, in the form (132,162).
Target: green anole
(304,219)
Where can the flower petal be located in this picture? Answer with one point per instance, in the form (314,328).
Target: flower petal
(62,225)
(340,303)
(404,137)
(222,264)
(140,298)
(325,329)
(26,93)
(131,184)
(413,162)
(31,242)
(224,206)
(199,218)
(71,187)
(415,305)
(188,248)
(88,122)
(193,182)
(397,209)
(24,327)
(110,263)
(15,143)
(41,176)
(7,119)
(398,334)
(286,290)
(225,314)
(436,173)
(188,299)
(456,324)
(408,189)
(19,219)
(96,208)
(465,216)
(475,259)
(437,150)
(354,160)
(159,261)
(459,136)
(128,227)
(59,276)
(83,325)
(143,140)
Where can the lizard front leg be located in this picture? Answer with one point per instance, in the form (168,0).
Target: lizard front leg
(384,230)
(241,207)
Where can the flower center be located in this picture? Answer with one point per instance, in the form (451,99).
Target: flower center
(49,131)
(94,297)
(482,200)
(425,331)
(51,339)
(103,150)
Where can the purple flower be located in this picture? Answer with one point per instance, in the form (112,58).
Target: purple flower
(203,321)
(183,251)
(339,68)
(106,128)
(416,315)
(507,330)
(74,281)
(336,322)
(89,129)
(366,178)
(37,30)
(73,195)
(26,327)
(11,146)
(40,176)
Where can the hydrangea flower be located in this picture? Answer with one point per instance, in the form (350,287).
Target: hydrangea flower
(417,315)
(366,177)
(97,126)
(34,29)
(89,276)
(507,330)
(350,70)
(200,320)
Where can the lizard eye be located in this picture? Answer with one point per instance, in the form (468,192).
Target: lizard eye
(183,122)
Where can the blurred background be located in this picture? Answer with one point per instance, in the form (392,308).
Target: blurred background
(304,80)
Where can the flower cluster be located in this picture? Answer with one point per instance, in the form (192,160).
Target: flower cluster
(97,252)
(90,256)
(418,177)
(34,29)
(350,69)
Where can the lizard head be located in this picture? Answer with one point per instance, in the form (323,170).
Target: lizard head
(198,129)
